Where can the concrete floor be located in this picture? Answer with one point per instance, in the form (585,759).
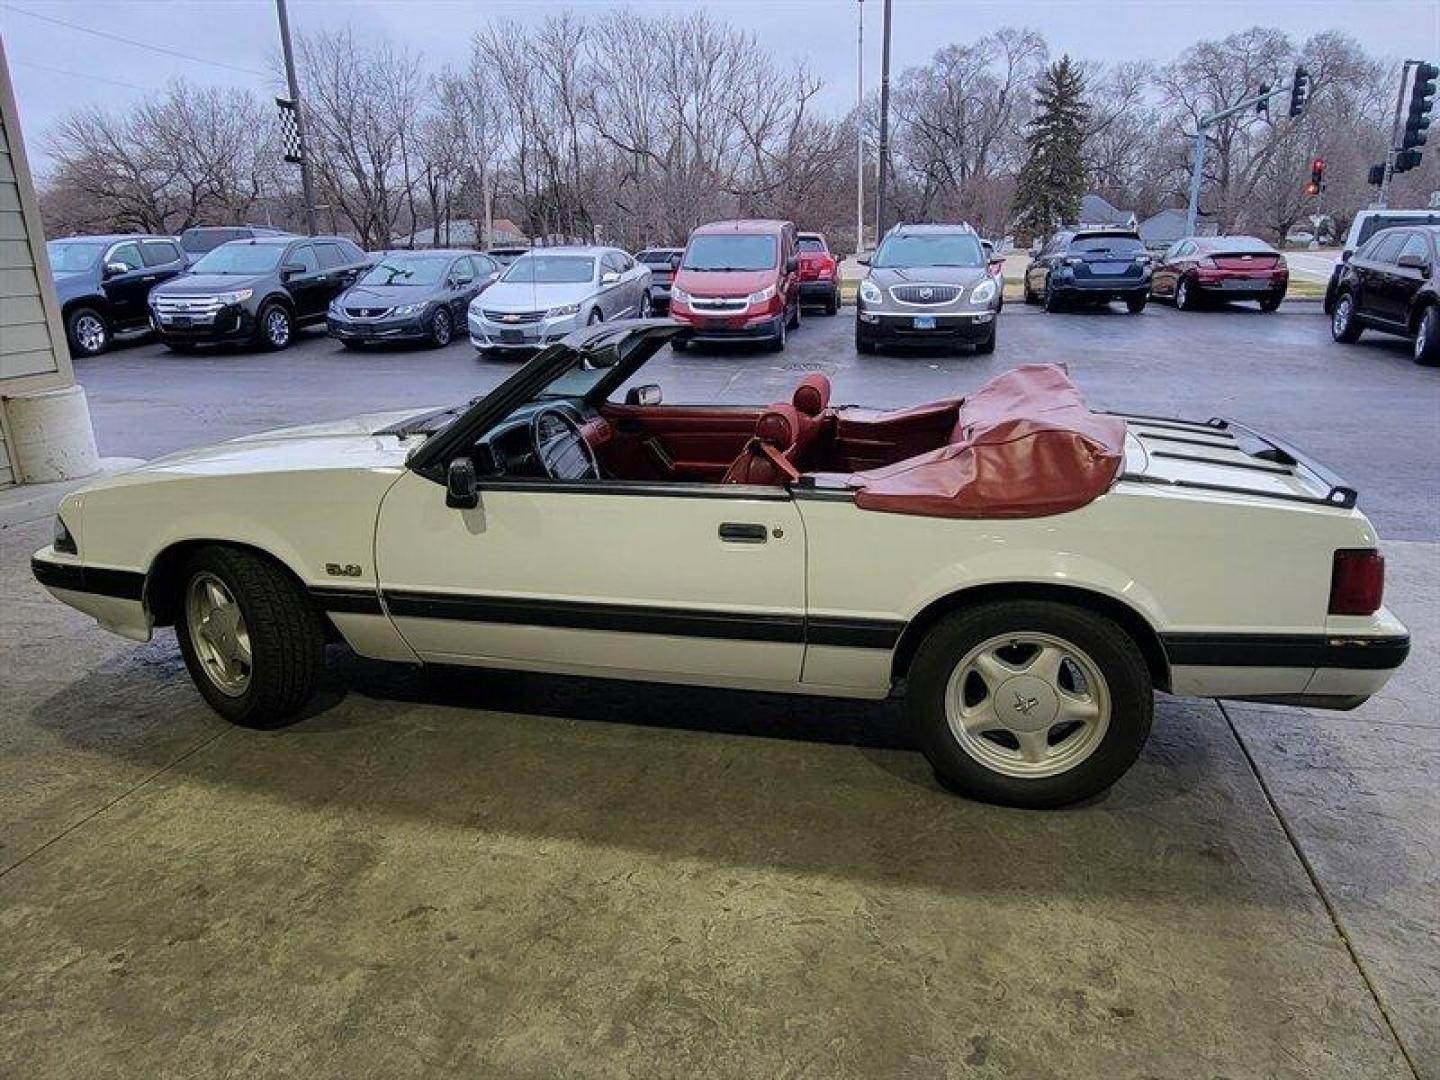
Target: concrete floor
(452,873)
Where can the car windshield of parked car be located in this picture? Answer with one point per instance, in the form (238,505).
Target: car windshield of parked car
(1113,245)
(655,258)
(810,243)
(730,252)
(551,270)
(240,257)
(69,257)
(407,270)
(929,249)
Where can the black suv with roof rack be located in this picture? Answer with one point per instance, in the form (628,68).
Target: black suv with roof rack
(200,240)
(256,290)
(1091,265)
(103,282)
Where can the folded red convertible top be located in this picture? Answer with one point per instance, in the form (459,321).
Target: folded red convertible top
(1024,445)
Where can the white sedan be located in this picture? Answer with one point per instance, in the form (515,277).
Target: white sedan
(1026,571)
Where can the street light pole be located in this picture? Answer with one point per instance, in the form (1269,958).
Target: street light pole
(884,155)
(306,187)
(860,135)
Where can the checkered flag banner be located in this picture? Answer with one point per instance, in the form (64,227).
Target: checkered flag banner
(290,132)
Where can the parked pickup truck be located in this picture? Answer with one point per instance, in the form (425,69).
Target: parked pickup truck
(1024,570)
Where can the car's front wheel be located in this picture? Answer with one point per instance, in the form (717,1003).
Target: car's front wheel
(276,328)
(986,345)
(777,340)
(1427,337)
(1344,326)
(442,328)
(1029,703)
(88,332)
(1185,297)
(250,636)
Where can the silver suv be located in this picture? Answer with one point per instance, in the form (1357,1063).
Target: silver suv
(928,285)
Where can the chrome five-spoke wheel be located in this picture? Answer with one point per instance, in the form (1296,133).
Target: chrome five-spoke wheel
(218,634)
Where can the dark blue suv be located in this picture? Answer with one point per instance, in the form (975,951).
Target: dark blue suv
(103,284)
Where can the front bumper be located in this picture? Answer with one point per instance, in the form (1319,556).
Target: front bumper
(407,329)
(485,334)
(740,326)
(883,328)
(233,323)
(114,598)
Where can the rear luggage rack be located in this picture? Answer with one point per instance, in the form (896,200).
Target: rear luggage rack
(1277,456)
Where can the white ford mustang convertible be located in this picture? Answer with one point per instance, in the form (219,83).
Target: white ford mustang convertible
(1024,570)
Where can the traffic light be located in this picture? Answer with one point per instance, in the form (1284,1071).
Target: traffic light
(1317,177)
(1405,160)
(1376,175)
(1300,90)
(1262,107)
(1422,100)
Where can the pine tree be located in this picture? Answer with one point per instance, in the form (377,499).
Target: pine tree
(1051,182)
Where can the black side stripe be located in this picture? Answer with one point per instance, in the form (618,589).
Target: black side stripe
(121,584)
(852,633)
(1287,650)
(347,601)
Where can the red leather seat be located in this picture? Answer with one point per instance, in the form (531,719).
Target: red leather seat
(811,400)
(769,456)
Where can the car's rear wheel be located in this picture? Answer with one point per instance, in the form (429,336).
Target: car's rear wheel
(647,306)
(1029,702)
(1135,303)
(795,316)
(679,344)
(1344,325)
(1185,297)
(252,640)
(1270,303)
(276,328)
(1053,300)
(442,328)
(88,331)
(1427,337)
(832,302)
(1029,294)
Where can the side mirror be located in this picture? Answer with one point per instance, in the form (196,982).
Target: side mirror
(610,277)
(649,394)
(462,486)
(792,264)
(1413,262)
(863,260)
(1345,256)
(460,282)
(115,269)
(494,275)
(674,262)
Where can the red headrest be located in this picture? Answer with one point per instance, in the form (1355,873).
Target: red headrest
(812,396)
(777,426)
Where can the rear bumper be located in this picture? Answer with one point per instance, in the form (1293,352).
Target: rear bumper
(1239,287)
(818,290)
(1101,288)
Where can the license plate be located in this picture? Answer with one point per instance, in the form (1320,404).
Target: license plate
(1109,268)
(513,337)
(1246,284)
(179,320)
(924,322)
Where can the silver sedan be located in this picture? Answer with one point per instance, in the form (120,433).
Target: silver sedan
(550,292)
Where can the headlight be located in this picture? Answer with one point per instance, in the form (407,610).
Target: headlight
(984,292)
(870,292)
(335,306)
(764,294)
(678,295)
(64,542)
(239,296)
(410,309)
(563,311)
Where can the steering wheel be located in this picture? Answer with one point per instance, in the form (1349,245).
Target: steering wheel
(560,446)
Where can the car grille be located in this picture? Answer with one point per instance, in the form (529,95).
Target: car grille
(926,294)
(195,307)
(719,303)
(513,318)
(367,312)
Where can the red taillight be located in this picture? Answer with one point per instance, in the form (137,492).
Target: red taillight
(1357,582)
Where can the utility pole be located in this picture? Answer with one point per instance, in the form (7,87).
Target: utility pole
(860,135)
(303,155)
(884,154)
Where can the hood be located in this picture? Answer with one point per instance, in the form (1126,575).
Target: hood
(931,275)
(208,284)
(515,296)
(69,286)
(725,282)
(386,296)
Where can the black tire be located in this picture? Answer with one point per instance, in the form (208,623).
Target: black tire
(863,345)
(1116,657)
(274,327)
(353,346)
(832,302)
(1270,303)
(442,328)
(1053,300)
(88,331)
(647,306)
(1185,296)
(1344,322)
(987,346)
(1427,338)
(1030,298)
(794,323)
(1136,304)
(286,637)
(679,344)
(776,343)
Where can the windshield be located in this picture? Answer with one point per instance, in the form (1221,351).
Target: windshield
(929,249)
(807,243)
(551,270)
(1114,245)
(69,257)
(240,257)
(727,252)
(407,270)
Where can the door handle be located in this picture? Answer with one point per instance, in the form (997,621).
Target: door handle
(735,532)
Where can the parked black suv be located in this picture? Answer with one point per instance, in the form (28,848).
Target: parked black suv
(411,296)
(1094,265)
(256,290)
(1388,284)
(202,239)
(102,283)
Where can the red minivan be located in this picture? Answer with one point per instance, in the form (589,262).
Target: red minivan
(738,281)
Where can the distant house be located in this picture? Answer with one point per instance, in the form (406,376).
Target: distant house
(462,234)
(1097,213)
(1163,229)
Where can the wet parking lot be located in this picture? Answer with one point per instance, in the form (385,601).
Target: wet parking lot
(471,873)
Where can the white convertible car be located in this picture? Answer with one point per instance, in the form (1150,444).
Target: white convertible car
(1026,571)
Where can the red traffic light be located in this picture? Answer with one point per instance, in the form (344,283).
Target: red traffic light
(1317,175)
(1318,165)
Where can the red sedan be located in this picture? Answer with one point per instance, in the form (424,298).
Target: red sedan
(1201,268)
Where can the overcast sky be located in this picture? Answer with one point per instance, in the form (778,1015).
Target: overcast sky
(56,68)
